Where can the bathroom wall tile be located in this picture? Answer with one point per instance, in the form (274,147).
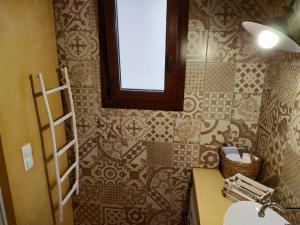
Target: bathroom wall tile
(84,100)
(72,15)
(214,132)
(276,153)
(194,76)
(294,128)
(160,128)
(219,77)
(112,214)
(249,78)
(135,215)
(217,105)
(134,196)
(88,145)
(135,174)
(85,124)
(110,173)
(192,107)
(185,155)
(287,198)
(134,152)
(81,45)
(222,46)
(187,130)
(224,15)
(246,107)
(242,134)
(199,11)
(81,73)
(248,50)
(209,156)
(290,172)
(86,213)
(88,193)
(160,153)
(111,150)
(108,127)
(134,128)
(111,194)
(197,43)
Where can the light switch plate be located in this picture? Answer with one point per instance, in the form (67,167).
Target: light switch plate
(27,156)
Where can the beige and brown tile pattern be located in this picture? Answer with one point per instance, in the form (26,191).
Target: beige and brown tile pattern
(135,164)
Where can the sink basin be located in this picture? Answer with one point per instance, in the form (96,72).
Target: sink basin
(246,213)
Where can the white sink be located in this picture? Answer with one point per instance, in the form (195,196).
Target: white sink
(246,213)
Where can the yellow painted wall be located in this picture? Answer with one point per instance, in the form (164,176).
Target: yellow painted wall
(28,46)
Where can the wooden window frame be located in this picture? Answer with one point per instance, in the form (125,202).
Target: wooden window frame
(176,41)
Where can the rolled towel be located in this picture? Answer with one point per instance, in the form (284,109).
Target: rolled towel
(234,157)
(230,150)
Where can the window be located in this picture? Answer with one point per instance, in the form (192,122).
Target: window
(143,51)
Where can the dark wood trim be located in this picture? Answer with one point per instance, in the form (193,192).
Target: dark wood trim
(115,97)
(4,184)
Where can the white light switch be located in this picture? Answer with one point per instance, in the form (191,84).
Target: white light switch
(27,156)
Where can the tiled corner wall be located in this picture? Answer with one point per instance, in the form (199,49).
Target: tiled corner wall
(279,131)
(135,164)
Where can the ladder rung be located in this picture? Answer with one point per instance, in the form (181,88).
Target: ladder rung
(68,172)
(62,119)
(66,147)
(68,196)
(60,88)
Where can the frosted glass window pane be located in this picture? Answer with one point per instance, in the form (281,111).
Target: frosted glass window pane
(142,43)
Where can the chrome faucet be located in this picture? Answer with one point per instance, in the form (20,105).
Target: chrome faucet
(275,205)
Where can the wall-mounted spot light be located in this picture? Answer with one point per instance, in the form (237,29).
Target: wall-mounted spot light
(271,37)
(274,33)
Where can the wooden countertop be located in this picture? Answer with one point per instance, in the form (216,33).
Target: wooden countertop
(210,202)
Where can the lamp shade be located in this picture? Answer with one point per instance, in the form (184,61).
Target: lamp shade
(280,40)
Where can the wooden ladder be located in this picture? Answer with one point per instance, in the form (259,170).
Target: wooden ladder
(57,153)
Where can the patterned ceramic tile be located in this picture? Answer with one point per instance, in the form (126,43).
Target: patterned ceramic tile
(219,77)
(194,76)
(187,131)
(134,128)
(136,215)
(197,42)
(209,156)
(160,153)
(135,175)
(112,215)
(134,152)
(294,130)
(185,155)
(214,132)
(110,173)
(84,100)
(88,193)
(108,127)
(217,105)
(246,107)
(248,51)
(81,73)
(111,194)
(192,107)
(222,46)
(160,128)
(111,150)
(81,45)
(225,15)
(86,213)
(85,125)
(135,196)
(243,134)
(199,10)
(249,78)
(290,172)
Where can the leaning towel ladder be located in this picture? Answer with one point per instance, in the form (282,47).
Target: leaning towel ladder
(57,153)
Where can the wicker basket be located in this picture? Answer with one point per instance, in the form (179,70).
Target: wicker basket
(230,168)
